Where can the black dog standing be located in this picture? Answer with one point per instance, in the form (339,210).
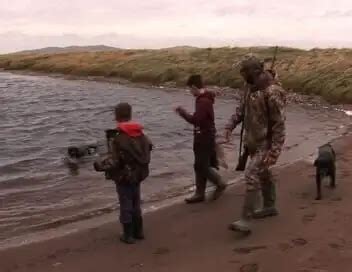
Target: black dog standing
(325,167)
(127,164)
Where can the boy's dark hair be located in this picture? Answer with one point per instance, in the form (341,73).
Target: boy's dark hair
(123,112)
(195,80)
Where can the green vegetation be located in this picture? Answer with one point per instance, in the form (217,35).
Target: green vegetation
(325,72)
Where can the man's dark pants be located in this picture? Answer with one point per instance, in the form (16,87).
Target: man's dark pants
(205,161)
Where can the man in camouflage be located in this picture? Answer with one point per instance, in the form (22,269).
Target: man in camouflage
(262,111)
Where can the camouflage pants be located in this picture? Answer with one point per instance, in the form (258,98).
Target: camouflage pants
(258,177)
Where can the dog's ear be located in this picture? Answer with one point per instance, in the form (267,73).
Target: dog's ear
(72,151)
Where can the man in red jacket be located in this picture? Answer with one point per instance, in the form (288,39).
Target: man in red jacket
(205,160)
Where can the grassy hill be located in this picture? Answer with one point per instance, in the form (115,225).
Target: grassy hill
(325,72)
(68,49)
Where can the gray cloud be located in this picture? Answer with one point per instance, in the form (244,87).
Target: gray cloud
(157,23)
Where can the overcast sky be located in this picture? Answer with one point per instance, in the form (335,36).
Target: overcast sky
(156,23)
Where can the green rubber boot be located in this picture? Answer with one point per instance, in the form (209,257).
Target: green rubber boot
(243,224)
(269,200)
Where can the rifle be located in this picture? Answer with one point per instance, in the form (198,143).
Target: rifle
(272,67)
(243,157)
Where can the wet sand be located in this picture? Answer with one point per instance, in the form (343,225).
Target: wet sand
(307,236)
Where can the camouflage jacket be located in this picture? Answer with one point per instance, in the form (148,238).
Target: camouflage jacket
(263,113)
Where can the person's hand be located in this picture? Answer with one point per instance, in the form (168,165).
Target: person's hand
(227,135)
(179,110)
(269,159)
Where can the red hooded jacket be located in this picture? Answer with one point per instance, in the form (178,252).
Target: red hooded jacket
(132,129)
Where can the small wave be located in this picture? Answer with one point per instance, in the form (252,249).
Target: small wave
(77,217)
(348,112)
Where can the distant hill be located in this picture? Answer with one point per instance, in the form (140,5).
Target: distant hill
(69,49)
(325,72)
(181,48)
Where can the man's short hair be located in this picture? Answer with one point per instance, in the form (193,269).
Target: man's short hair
(195,80)
(123,111)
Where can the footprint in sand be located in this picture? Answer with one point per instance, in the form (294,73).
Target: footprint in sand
(249,268)
(299,242)
(312,270)
(247,250)
(137,266)
(161,251)
(336,246)
(304,195)
(307,218)
(285,246)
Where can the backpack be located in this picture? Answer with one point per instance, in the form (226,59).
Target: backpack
(133,158)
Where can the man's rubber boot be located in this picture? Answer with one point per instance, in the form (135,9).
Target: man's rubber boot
(250,203)
(265,212)
(242,226)
(269,199)
(199,195)
(127,236)
(138,232)
(215,178)
(219,191)
(196,198)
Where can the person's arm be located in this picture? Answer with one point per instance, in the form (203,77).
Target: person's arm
(149,142)
(276,106)
(238,116)
(200,114)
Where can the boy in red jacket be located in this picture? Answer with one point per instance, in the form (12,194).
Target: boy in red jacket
(205,161)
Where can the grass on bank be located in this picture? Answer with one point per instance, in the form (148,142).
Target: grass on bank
(325,72)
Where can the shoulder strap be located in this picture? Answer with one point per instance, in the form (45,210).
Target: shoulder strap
(245,100)
(138,149)
(266,98)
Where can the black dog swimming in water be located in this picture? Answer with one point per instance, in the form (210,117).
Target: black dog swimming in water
(325,167)
(80,152)
(77,154)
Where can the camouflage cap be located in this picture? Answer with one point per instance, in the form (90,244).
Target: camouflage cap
(249,61)
(252,62)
